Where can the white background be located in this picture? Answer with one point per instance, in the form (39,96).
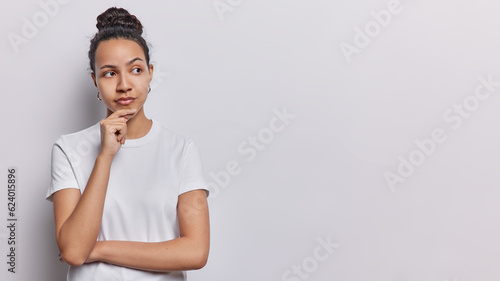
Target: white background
(221,76)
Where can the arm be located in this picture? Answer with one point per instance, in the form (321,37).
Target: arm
(78,217)
(188,252)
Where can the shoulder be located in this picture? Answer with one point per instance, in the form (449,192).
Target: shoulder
(82,139)
(173,136)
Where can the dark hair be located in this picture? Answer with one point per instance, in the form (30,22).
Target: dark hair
(117,23)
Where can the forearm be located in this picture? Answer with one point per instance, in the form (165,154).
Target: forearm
(79,233)
(179,254)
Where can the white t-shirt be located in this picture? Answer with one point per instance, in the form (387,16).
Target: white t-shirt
(147,176)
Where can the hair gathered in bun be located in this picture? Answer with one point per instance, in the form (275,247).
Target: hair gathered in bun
(117,23)
(114,17)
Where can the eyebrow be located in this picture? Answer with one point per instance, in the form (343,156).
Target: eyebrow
(114,66)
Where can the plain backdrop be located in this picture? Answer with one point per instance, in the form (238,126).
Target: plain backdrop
(301,109)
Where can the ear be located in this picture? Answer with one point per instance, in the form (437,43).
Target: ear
(93,78)
(150,72)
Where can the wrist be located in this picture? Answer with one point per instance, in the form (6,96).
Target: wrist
(105,157)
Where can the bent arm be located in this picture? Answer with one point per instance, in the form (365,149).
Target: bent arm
(78,217)
(188,252)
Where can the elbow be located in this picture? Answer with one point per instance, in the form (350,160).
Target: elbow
(75,262)
(73,259)
(200,260)
(72,254)
(200,263)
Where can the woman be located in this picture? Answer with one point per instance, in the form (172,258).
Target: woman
(129,196)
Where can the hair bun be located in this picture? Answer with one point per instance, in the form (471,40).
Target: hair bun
(114,17)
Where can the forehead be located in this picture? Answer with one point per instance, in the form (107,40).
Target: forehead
(117,52)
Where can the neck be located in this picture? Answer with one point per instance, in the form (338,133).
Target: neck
(138,126)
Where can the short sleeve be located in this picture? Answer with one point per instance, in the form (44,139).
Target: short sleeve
(62,173)
(192,177)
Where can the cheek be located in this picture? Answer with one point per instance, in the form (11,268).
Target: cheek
(141,81)
(142,86)
(105,85)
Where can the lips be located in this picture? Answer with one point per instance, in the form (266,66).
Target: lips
(125,100)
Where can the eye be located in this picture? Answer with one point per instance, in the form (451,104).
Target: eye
(137,70)
(108,74)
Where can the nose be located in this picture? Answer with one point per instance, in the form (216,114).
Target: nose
(124,84)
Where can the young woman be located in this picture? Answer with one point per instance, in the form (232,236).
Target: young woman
(129,196)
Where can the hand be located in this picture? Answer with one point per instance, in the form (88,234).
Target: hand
(114,130)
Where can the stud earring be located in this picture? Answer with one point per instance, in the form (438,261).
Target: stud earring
(98,96)
(149,89)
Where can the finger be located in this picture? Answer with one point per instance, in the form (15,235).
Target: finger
(114,124)
(123,113)
(113,129)
(119,137)
(121,133)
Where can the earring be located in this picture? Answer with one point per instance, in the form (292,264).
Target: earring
(98,96)
(149,89)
